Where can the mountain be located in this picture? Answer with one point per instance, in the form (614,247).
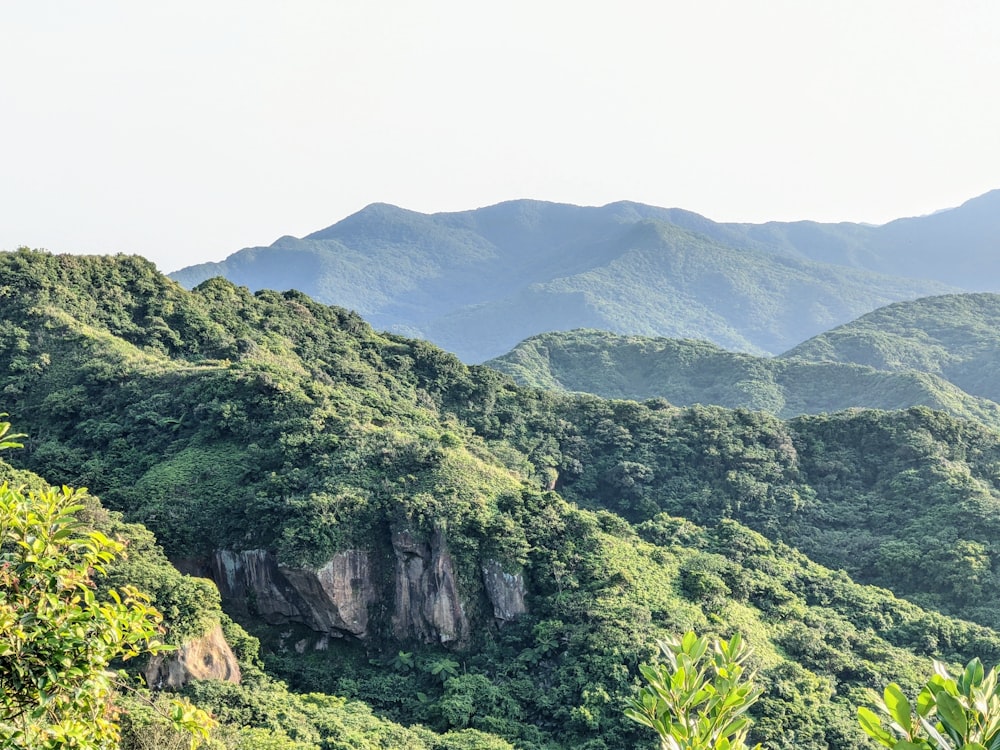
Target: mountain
(956,337)
(957,246)
(433,556)
(477,282)
(687,372)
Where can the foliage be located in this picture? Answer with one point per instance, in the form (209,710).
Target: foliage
(950,713)
(57,637)
(270,422)
(698,700)
(687,372)
(952,336)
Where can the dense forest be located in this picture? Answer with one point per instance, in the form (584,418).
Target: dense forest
(404,551)
(813,378)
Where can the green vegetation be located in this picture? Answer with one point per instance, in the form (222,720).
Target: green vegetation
(949,714)
(268,424)
(954,337)
(477,282)
(58,637)
(58,690)
(687,372)
(698,700)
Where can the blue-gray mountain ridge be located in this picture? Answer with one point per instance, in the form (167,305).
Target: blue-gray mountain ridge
(478,282)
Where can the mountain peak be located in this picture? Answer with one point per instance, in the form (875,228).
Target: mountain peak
(372,214)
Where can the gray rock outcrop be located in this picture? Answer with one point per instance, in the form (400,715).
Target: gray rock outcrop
(340,597)
(427,606)
(505,591)
(334,598)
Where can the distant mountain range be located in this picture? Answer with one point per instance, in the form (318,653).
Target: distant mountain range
(477,282)
(942,352)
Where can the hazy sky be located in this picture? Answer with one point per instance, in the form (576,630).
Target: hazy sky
(184,131)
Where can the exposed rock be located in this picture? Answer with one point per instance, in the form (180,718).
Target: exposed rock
(205,658)
(333,599)
(505,591)
(428,607)
(336,598)
(250,580)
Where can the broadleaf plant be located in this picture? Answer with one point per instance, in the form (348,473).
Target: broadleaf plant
(950,713)
(698,699)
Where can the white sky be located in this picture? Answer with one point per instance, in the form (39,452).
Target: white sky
(186,130)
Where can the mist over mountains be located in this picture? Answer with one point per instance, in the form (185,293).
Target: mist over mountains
(477,282)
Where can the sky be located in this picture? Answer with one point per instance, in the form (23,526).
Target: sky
(186,130)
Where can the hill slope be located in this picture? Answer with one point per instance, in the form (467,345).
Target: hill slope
(477,282)
(956,337)
(687,372)
(393,524)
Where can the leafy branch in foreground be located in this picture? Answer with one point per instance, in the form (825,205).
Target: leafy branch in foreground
(57,635)
(698,700)
(11,440)
(950,713)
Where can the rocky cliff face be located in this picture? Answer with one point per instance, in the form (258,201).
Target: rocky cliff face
(334,599)
(505,591)
(205,658)
(428,607)
(340,597)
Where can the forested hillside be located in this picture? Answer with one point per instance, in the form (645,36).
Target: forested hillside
(250,708)
(956,337)
(810,379)
(461,553)
(477,282)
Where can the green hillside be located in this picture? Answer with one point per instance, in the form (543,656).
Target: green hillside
(259,712)
(956,337)
(477,282)
(444,550)
(687,372)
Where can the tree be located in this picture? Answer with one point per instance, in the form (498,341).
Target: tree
(950,713)
(698,700)
(58,636)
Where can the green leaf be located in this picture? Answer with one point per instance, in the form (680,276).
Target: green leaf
(925,702)
(951,712)
(873,727)
(898,707)
(973,675)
